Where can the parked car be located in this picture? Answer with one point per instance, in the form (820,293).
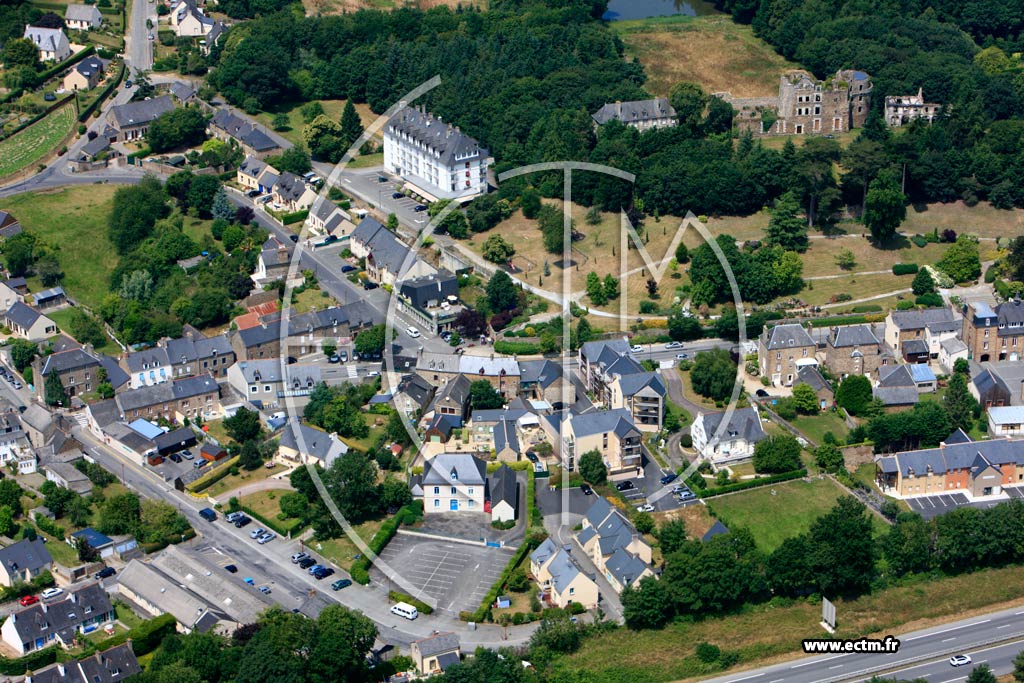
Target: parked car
(315,568)
(51,593)
(412,332)
(341,583)
(294,238)
(674,345)
(531,456)
(761,393)
(669,478)
(128,84)
(104,573)
(256,533)
(419,207)
(347,268)
(299,557)
(242,521)
(397,195)
(625,486)
(307,563)
(199,464)
(370,285)
(343,355)
(187,455)
(27,600)
(646,507)
(323,573)
(234,516)
(231,569)
(252,194)
(686,494)
(266,538)
(174,457)
(334,358)
(208,514)
(960,660)
(17,384)
(587,491)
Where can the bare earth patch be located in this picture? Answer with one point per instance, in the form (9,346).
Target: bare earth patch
(713,51)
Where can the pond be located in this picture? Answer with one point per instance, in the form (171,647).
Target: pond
(641,9)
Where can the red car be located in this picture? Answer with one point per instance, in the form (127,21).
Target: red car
(27,600)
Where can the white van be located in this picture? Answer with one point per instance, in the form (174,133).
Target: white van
(406,610)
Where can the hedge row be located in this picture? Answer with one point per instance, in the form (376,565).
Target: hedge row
(39,117)
(410,514)
(751,484)
(213,476)
(904,269)
(294,217)
(30,662)
(421,607)
(484,610)
(84,115)
(49,526)
(145,637)
(275,524)
(58,68)
(516,348)
(157,546)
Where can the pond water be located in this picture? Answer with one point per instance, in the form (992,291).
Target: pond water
(641,9)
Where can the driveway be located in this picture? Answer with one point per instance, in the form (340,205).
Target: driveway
(939,504)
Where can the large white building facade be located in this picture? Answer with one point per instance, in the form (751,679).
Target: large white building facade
(435,158)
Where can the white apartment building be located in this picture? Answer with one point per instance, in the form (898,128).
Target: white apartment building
(436,159)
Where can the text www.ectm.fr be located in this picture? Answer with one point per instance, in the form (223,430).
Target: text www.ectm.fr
(822,646)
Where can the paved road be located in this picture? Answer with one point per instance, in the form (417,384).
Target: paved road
(290,582)
(138,47)
(922,654)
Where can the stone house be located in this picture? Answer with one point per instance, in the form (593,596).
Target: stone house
(781,350)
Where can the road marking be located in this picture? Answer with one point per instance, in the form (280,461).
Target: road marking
(746,678)
(948,640)
(1005,626)
(837,666)
(955,679)
(955,628)
(817,661)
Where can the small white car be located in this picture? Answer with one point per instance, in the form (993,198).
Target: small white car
(412,332)
(636,348)
(51,593)
(647,507)
(256,533)
(674,345)
(960,660)
(682,356)
(266,538)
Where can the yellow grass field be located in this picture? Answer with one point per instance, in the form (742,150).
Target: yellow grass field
(713,51)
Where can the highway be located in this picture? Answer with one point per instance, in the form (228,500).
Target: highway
(922,654)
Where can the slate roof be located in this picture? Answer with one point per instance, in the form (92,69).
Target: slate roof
(72,359)
(897,386)
(618,421)
(312,442)
(915,346)
(165,392)
(563,570)
(959,436)
(918,319)
(959,456)
(636,111)
(469,470)
(625,566)
(853,335)
(63,616)
(23,315)
(96,146)
(632,384)
(142,112)
(90,65)
(260,334)
(88,13)
(290,187)
(175,440)
(48,39)
(147,359)
(444,424)
(952,346)
(745,423)
(183,91)
(387,251)
(253,167)
(323,319)
(271,370)
(786,337)
(598,511)
(425,289)
(446,142)
(457,391)
(504,486)
(437,644)
(544,373)
(809,375)
(259,141)
(717,529)
(596,350)
(417,388)
(544,551)
(115,664)
(987,380)
(25,555)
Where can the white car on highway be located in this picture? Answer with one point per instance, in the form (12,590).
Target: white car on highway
(412,332)
(960,660)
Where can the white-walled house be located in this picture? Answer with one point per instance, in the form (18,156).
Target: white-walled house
(454,482)
(52,44)
(1006,421)
(736,440)
(435,158)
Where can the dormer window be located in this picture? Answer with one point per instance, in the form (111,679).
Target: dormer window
(454,475)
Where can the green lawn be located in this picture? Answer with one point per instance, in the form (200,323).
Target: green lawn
(233,481)
(28,146)
(125,615)
(63,319)
(332,110)
(73,222)
(370,439)
(815,426)
(774,518)
(342,551)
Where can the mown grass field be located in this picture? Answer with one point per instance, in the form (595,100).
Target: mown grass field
(713,51)
(28,146)
(73,221)
(773,518)
(767,633)
(815,426)
(342,551)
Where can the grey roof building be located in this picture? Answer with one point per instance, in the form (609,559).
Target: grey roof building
(467,469)
(110,666)
(640,114)
(23,560)
(140,113)
(786,337)
(307,441)
(40,625)
(897,386)
(430,291)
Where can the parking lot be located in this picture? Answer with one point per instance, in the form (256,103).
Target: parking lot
(453,576)
(649,489)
